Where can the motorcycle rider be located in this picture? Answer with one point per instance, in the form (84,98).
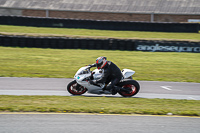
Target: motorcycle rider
(111,74)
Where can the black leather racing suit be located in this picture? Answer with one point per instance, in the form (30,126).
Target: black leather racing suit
(112,74)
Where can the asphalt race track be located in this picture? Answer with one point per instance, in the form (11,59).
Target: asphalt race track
(57,86)
(82,123)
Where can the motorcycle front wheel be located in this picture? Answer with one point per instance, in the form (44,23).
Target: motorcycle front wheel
(131,88)
(75,89)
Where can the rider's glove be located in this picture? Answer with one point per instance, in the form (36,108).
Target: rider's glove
(93,65)
(92,81)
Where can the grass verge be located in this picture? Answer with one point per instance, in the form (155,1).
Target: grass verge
(72,32)
(102,105)
(63,63)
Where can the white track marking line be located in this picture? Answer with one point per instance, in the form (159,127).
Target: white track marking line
(192,98)
(166,87)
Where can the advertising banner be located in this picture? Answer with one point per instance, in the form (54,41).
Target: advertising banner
(167,46)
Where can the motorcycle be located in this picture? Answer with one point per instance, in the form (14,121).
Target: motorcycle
(80,84)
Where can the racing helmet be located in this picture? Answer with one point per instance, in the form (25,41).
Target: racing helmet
(101,62)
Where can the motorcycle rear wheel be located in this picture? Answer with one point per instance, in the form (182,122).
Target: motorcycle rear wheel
(75,89)
(132,86)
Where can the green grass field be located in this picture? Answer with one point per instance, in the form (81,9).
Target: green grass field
(71,32)
(102,105)
(63,63)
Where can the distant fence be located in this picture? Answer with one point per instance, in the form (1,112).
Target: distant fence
(103,25)
(99,44)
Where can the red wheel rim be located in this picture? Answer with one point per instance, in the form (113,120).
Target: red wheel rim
(74,91)
(131,87)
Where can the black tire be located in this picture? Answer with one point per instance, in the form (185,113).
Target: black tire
(75,89)
(131,85)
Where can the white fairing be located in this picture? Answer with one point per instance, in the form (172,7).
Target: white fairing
(83,74)
(127,73)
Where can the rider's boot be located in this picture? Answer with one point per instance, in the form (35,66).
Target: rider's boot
(115,89)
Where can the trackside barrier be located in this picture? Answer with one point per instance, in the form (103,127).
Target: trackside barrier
(99,44)
(97,24)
